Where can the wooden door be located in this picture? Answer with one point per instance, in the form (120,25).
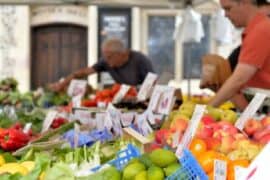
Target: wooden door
(57,51)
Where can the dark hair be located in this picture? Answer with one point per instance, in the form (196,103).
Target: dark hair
(262,2)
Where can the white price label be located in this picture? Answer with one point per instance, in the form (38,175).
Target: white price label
(27,127)
(76,101)
(239,172)
(121,93)
(143,125)
(48,120)
(191,130)
(84,116)
(76,134)
(250,111)
(100,117)
(147,87)
(220,170)
(162,99)
(127,118)
(77,88)
(115,117)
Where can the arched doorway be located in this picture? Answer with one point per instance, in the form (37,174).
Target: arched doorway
(57,50)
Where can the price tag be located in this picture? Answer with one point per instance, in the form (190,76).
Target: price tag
(191,130)
(162,99)
(154,118)
(250,111)
(142,123)
(100,117)
(27,127)
(220,170)
(84,116)
(147,87)
(239,172)
(121,93)
(76,134)
(258,169)
(48,120)
(76,101)
(115,117)
(127,118)
(77,88)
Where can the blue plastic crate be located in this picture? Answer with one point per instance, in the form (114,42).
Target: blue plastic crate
(122,157)
(190,170)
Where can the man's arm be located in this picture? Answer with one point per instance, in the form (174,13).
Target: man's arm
(58,86)
(231,87)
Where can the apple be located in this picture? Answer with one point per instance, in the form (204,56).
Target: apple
(229,115)
(179,125)
(214,112)
(186,112)
(262,132)
(253,150)
(227,143)
(265,139)
(238,154)
(215,126)
(180,116)
(219,134)
(239,136)
(205,132)
(207,119)
(265,121)
(252,126)
(228,127)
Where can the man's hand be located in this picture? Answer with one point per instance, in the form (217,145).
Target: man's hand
(57,86)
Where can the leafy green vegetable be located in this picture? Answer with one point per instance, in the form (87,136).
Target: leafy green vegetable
(59,171)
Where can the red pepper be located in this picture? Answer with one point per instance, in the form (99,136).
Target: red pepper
(57,122)
(13,139)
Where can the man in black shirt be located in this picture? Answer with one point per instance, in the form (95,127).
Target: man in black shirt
(124,65)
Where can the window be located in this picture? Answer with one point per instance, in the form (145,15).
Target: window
(161,45)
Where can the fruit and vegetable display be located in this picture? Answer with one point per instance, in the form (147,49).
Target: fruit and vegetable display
(44,136)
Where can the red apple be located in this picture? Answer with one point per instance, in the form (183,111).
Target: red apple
(252,126)
(207,119)
(205,132)
(228,127)
(265,139)
(265,121)
(179,125)
(260,133)
(239,136)
(227,144)
(215,126)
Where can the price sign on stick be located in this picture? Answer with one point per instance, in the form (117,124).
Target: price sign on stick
(251,109)
(121,93)
(162,99)
(77,88)
(191,130)
(147,87)
(48,120)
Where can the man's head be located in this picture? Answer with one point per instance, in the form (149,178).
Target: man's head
(114,52)
(239,11)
